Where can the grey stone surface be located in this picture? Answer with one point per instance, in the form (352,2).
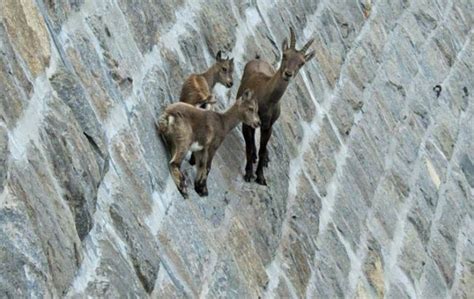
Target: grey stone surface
(371,176)
(3,156)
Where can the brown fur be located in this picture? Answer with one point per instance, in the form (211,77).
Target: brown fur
(184,126)
(269,86)
(197,89)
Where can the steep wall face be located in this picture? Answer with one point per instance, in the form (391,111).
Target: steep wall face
(371,176)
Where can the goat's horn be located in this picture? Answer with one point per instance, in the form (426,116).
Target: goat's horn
(292,38)
(219,55)
(306,47)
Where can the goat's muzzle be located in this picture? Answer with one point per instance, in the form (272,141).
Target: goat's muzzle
(256,124)
(287,75)
(229,84)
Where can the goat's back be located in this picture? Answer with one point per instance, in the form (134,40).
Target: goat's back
(259,66)
(183,115)
(195,90)
(185,124)
(256,72)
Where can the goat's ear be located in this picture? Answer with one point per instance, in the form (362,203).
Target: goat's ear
(219,55)
(309,56)
(247,94)
(254,99)
(284,45)
(211,99)
(239,100)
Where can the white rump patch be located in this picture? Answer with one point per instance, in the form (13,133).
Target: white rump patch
(170,120)
(196,147)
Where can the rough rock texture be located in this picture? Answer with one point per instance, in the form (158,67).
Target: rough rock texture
(372,173)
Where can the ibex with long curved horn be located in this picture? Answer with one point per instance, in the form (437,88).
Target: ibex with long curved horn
(269,86)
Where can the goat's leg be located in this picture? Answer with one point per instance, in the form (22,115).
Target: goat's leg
(265,159)
(265,136)
(249,136)
(192,160)
(201,176)
(254,148)
(176,174)
(205,173)
(210,157)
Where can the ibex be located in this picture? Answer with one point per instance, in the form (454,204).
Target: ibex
(269,86)
(197,88)
(185,127)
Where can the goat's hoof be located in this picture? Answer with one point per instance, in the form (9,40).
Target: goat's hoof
(248,177)
(265,161)
(254,158)
(183,192)
(202,191)
(261,181)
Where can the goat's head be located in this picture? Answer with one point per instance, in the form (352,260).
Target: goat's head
(293,59)
(248,108)
(225,68)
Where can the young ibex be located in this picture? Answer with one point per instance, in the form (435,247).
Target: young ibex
(197,87)
(185,127)
(269,86)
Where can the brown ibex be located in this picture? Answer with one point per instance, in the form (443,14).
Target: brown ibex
(269,86)
(197,88)
(185,127)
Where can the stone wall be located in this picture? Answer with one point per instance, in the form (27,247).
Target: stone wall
(372,174)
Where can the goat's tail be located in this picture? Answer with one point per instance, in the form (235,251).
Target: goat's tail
(168,120)
(164,123)
(164,128)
